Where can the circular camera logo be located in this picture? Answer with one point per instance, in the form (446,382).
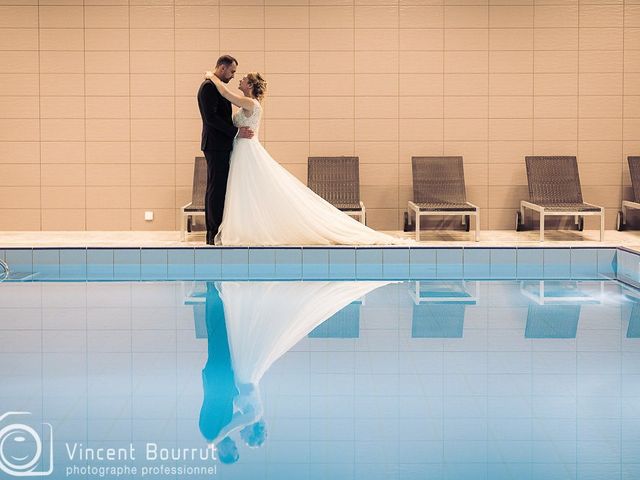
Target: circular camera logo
(23,453)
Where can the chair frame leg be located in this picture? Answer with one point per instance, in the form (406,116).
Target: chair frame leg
(183,235)
(541,211)
(414,210)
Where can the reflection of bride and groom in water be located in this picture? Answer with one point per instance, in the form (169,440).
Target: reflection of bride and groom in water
(249,326)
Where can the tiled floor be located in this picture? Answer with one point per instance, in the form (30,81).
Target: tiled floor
(494,238)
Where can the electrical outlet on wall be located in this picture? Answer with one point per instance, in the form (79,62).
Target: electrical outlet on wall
(148,216)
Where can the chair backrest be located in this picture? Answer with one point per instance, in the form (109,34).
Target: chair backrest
(634,170)
(438,180)
(633,330)
(553,180)
(343,324)
(199,182)
(437,321)
(336,179)
(552,321)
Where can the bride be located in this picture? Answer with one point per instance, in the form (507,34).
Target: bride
(267,205)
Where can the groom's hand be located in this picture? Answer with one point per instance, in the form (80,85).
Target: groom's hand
(245,132)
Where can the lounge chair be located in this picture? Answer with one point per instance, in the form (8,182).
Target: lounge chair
(439,308)
(4,270)
(554,190)
(195,295)
(552,321)
(343,324)
(196,206)
(555,306)
(633,329)
(437,321)
(199,318)
(337,180)
(439,189)
(634,170)
(562,292)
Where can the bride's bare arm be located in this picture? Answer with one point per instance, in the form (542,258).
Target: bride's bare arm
(238,100)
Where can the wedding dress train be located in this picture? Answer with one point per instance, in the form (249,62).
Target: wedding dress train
(266,319)
(263,321)
(267,205)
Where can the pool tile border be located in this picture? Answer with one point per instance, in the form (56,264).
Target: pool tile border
(628,266)
(319,263)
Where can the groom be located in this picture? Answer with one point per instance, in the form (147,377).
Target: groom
(218,379)
(218,133)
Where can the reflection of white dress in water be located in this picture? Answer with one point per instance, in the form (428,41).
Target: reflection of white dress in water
(267,205)
(266,319)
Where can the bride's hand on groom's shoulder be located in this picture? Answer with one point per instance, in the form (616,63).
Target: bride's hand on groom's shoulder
(215,80)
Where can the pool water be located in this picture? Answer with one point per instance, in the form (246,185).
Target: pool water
(320,380)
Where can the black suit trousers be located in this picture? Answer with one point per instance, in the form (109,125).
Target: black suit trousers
(217,175)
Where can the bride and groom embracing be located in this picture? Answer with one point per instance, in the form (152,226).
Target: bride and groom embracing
(251,199)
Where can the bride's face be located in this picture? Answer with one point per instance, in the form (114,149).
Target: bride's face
(245,86)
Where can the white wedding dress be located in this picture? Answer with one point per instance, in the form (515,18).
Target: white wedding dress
(267,205)
(266,319)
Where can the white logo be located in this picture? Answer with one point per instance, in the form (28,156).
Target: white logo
(21,448)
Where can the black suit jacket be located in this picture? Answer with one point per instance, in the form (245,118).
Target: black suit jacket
(218,131)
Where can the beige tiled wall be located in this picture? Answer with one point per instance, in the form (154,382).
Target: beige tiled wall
(99,123)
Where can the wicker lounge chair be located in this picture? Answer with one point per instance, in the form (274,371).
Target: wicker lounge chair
(337,180)
(554,189)
(632,307)
(196,206)
(4,270)
(552,321)
(633,329)
(197,299)
(634,170)
(554,308)
(437,321)
(439,189)
(343,324)
(439,308)
(561,292)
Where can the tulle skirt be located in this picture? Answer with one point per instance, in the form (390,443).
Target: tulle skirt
(266,319)
(267,205)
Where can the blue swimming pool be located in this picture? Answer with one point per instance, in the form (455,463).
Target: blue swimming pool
(440,378)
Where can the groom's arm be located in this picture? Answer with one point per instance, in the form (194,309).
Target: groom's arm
(211,99)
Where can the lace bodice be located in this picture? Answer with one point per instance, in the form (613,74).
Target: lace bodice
(252,121)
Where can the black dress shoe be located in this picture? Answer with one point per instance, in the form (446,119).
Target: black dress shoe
(209,238)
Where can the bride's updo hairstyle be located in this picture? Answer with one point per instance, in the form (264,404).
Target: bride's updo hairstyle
(258,85)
